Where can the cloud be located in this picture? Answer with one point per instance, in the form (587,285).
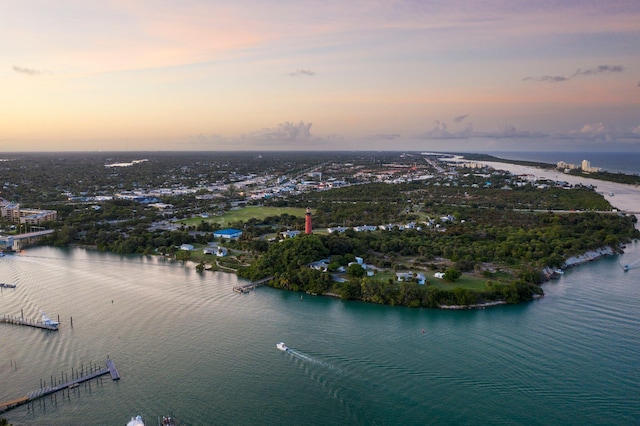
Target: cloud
(510,131)
(548,78)
(26,71)
(387,136)
(600,69)
(307,73)
(441,131)
(593,129)
(601,133)
(284,132)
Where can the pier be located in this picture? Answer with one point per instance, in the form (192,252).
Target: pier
(8,319)
(246,288)
(44,390)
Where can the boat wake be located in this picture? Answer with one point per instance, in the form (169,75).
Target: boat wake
(309,359)
(630,266)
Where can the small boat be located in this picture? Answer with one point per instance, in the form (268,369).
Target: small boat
(167,421)
(558,271)
(282,347)
(48,321)
(3,285)
(626,268)
(135,421)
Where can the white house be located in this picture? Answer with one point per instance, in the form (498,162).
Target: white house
(410,276)
(290,234)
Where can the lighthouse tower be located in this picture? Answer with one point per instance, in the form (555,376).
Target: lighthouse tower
(307,222)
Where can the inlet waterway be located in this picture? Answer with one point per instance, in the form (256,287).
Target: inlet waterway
(185,344)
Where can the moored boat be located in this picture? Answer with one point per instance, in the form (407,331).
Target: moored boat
(282,347)
(48,321)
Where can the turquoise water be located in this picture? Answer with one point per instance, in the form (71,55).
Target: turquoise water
(185,344)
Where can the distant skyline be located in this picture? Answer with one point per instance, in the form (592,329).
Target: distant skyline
(320,75)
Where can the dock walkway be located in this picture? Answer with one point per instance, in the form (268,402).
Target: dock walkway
(44,391)
(8,319)
(245,288)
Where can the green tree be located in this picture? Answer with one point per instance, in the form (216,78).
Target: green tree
(452,275)
(355,270)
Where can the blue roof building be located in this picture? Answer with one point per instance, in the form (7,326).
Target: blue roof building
(228,234)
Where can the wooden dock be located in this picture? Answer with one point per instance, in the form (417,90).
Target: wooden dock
(246,288)
(8,319)
(48,390)
(112,369)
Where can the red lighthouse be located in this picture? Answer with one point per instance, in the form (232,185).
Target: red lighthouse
(307,222)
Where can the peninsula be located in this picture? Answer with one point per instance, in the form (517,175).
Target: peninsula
(400,228)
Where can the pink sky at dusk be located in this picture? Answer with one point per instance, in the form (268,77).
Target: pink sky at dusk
(272,75)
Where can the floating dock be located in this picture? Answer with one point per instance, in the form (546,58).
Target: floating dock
(246,288)
(44,391)
(8,319)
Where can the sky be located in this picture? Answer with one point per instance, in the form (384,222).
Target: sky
(454,75)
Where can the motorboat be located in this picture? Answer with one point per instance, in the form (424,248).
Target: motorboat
(48,321)
(626,267)
(167,421)
(135,421)
(282,347)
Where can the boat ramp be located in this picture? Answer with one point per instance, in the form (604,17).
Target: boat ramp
(49,390)
(246,288)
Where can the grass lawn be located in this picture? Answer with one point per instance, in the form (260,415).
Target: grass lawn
(465,281)
(246,213)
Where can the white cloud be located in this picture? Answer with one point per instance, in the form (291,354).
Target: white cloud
(593,129)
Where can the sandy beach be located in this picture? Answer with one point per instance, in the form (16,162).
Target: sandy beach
(625,198)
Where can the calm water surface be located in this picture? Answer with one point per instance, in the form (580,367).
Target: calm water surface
(185,344)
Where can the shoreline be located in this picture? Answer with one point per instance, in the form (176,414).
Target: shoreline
(623,197)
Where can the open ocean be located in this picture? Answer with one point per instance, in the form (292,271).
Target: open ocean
(185,344)
(614,162)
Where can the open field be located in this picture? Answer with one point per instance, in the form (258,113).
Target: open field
(244,214)
(465,281)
